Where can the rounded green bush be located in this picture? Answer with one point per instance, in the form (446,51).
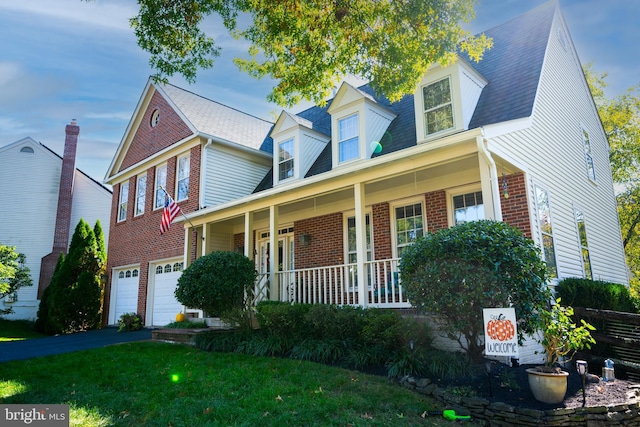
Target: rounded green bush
(217,282)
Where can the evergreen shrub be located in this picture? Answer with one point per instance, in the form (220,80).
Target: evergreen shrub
(579,292)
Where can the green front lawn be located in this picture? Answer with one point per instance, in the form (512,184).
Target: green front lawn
(13,330)
(159,384)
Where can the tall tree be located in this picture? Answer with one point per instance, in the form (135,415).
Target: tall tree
(620,118)
(309,46)
(73,300)
(13,273)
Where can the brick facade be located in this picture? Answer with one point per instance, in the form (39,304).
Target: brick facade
(327,241)
(137,240)
(381,223)
(515,208)
(149,139)
(436,211)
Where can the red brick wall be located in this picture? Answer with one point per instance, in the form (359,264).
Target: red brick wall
(381,231)
(137,240)
(150,140)
(327,241)
(436,210)
(515,209)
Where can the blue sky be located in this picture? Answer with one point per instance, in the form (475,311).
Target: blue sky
(69,59)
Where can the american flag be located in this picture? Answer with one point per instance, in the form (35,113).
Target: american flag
(170,211)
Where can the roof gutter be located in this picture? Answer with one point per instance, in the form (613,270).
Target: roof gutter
(493,174)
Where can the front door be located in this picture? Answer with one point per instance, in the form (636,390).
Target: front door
(285,263)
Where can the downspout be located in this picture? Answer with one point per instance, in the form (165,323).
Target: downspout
(493,175)
(203,173)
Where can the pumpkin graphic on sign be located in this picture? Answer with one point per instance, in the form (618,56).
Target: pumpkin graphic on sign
(500,329)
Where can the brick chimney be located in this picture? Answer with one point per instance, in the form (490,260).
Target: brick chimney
(63,213)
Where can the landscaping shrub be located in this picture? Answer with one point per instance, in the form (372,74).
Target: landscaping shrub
(218,283)
(456,272)
(283,318)
(187,324)
(579,292)
(129,322)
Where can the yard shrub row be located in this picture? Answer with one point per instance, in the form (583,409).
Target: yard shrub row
(369,339)
(579,292)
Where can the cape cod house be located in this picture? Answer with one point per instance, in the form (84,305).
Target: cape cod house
(44,198)
(326,200)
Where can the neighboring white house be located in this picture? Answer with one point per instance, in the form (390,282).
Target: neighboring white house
(515,137)
(30,174)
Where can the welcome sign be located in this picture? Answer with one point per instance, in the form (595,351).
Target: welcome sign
(500,332)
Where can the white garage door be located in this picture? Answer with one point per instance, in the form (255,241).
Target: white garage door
(126,292)
(164,305)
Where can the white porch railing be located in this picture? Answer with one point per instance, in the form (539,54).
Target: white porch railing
(336,284)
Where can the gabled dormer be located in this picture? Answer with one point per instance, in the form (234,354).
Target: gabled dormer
(296,145)
(446,99)
(358,123)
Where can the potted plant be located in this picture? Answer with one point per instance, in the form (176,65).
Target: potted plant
(561,338)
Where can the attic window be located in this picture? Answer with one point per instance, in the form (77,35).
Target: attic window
(348,138)
(26,150)
(155,118)
(438,109)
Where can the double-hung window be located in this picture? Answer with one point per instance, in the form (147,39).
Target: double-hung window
(141,192)
(468,207)
(546,230)
(584,246)
(285,159)
(160,186)
(591,171)
(348,138)
(183,178)
(122,201)
(409,225)
(438,108)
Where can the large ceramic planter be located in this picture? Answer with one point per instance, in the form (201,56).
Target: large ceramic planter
(548,387)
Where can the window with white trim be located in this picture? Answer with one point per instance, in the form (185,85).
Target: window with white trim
(182,184)
(348,145)
(160,183)
(588,158)
(468,207)
(141,194)
(584,246)
(286,157)
(546,231)
(438,107)
(122,201)
(352,248)
(409,226)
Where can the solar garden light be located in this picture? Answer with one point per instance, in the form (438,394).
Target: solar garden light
(582,368)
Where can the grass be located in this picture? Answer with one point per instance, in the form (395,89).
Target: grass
(160,384)
(15,330)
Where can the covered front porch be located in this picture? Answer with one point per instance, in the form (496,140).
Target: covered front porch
(339,236)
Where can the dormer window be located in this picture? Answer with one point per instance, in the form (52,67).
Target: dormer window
(438,108)
(286,155)
(348,138)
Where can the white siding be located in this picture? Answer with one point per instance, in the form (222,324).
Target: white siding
(310,148)
(376,124)
(29,190)
(553,151)
(229,175)
(470,89)
(91,202)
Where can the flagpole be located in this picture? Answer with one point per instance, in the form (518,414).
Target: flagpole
(185,217)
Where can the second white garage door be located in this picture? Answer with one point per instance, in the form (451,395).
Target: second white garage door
(164,306)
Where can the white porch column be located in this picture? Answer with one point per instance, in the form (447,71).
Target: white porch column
(273,252)
(361,244)
(489,182)
(187,247)
(248,235)
(203,240)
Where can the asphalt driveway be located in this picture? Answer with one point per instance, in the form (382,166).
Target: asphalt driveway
(37,347)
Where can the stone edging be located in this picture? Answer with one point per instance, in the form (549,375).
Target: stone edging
(501,414)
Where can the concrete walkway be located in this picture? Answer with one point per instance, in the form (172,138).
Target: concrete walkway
(37,347)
